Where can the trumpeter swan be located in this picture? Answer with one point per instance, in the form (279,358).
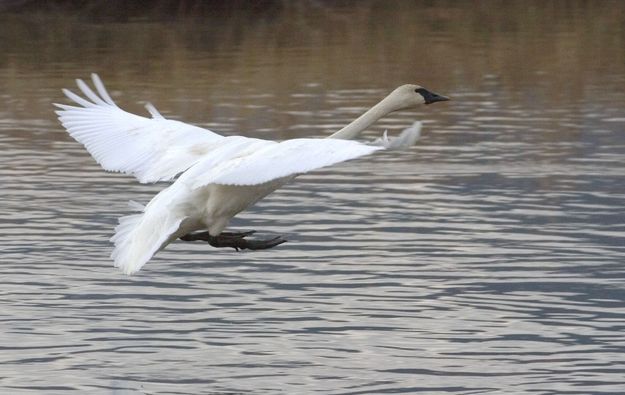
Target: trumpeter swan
(220,176)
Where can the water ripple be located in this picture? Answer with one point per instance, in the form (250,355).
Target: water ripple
(487,259)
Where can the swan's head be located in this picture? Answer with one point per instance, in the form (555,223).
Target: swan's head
(408,96)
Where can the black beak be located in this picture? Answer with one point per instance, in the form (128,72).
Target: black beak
(431,97)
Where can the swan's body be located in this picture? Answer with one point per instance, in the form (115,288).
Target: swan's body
(221,176)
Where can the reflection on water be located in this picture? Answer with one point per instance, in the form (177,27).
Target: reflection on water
(488,259)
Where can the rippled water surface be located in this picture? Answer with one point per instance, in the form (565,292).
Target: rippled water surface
(488,259)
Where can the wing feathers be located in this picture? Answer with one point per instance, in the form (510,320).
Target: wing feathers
(99,86)
(277,160)
(89,93)
(156,149)
(124,142)
(71,95)
(153,111)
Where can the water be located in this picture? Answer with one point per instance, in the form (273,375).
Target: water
(488,259)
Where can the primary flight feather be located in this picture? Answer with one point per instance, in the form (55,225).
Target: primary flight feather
(218,176)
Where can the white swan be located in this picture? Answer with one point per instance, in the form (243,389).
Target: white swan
(221,176)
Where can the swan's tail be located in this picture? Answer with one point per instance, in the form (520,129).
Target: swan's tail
(139,236)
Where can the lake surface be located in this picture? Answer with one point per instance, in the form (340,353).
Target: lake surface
(488,259)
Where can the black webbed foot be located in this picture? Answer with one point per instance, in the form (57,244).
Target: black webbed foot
(234,240)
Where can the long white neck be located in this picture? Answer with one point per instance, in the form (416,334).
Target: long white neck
(383,108)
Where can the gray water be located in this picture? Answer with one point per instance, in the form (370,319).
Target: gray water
(488,259)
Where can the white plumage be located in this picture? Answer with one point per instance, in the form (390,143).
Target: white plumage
(221,176)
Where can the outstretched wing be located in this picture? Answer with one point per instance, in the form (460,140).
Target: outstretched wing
(263,161)
(406,139)
(156,149)
(151,149)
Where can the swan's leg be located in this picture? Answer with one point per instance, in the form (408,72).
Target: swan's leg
(234,240)
(205,236)
(240,243)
